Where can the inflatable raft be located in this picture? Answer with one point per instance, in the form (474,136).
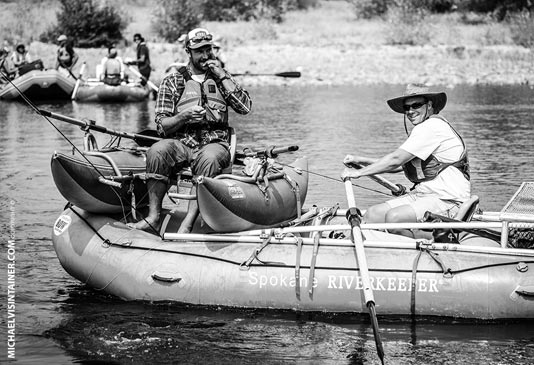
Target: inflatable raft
(306,271)
(40,85)
(100,92)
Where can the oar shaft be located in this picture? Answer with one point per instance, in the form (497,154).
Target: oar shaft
(77,86)
(353,217)
(95,127)
(379,179)
(293,74)
(358,246)
(138,74)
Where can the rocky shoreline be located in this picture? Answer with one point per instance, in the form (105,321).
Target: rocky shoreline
(445,65)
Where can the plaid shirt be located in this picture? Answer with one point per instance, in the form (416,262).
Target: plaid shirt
(169,94)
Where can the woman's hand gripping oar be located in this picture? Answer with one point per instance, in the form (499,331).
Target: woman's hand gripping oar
(354,218)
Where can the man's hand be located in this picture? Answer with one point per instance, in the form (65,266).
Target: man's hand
(215,68)
(193,115)
(349,173)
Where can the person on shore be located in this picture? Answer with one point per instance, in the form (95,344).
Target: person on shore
(20,56)
(192,115)
(433,157)
(66,56)
(112,68)
(143,58)
(6,67)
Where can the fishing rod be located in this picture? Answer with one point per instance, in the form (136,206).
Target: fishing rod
(88,124)
(291,74)
(45,114)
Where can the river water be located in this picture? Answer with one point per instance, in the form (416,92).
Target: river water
(59,321)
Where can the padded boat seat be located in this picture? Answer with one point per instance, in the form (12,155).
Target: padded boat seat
(467,209)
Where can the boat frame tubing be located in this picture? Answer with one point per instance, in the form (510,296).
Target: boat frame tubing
(292,240)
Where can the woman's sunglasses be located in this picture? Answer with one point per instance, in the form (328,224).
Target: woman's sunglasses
(407,107)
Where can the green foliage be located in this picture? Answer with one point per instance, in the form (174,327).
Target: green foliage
(231,10)
(522,28)
(500,8)
(407,24)
(87,24)
(173,18)
(367,9)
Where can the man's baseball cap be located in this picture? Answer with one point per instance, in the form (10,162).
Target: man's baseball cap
(198,37)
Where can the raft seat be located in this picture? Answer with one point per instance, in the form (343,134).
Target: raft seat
(185,176)
(468,209)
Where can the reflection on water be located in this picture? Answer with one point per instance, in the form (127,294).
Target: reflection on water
(60,321)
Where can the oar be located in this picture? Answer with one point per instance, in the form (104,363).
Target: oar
(396,189)
(353,216)
(138,74)
(75,91)
(90,124)
(293,74)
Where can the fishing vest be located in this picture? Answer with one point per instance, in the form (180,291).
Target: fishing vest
(205,94)
(418,170)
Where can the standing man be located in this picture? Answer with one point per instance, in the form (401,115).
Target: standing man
(143,58)
(66,57)
(192,113)
(433,157)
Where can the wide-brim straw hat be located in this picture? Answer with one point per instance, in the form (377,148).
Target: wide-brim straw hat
(439,99)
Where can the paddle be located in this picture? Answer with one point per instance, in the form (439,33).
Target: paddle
(78,81)
(293,74)
(396,189)
(146,139)
(138,74)
(353,217)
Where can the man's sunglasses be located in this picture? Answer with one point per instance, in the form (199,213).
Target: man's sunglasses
(407,107)
(200,38)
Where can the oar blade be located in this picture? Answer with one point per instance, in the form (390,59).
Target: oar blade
(376,331)
(293,74)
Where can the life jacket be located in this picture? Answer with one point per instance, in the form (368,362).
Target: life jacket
(112,72)
(205,94)
(418,170)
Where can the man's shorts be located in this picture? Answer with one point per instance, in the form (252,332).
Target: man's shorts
(421,203)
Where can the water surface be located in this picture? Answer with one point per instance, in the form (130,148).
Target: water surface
(60,321)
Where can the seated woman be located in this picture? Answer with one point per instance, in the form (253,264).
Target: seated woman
(112,68)
(20,56)
(6,67)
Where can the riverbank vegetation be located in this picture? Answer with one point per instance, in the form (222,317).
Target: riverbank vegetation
(333,42)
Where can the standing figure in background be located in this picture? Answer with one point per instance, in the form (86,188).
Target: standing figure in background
(112,68)
(20,56)
(66,57)
(143,58)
